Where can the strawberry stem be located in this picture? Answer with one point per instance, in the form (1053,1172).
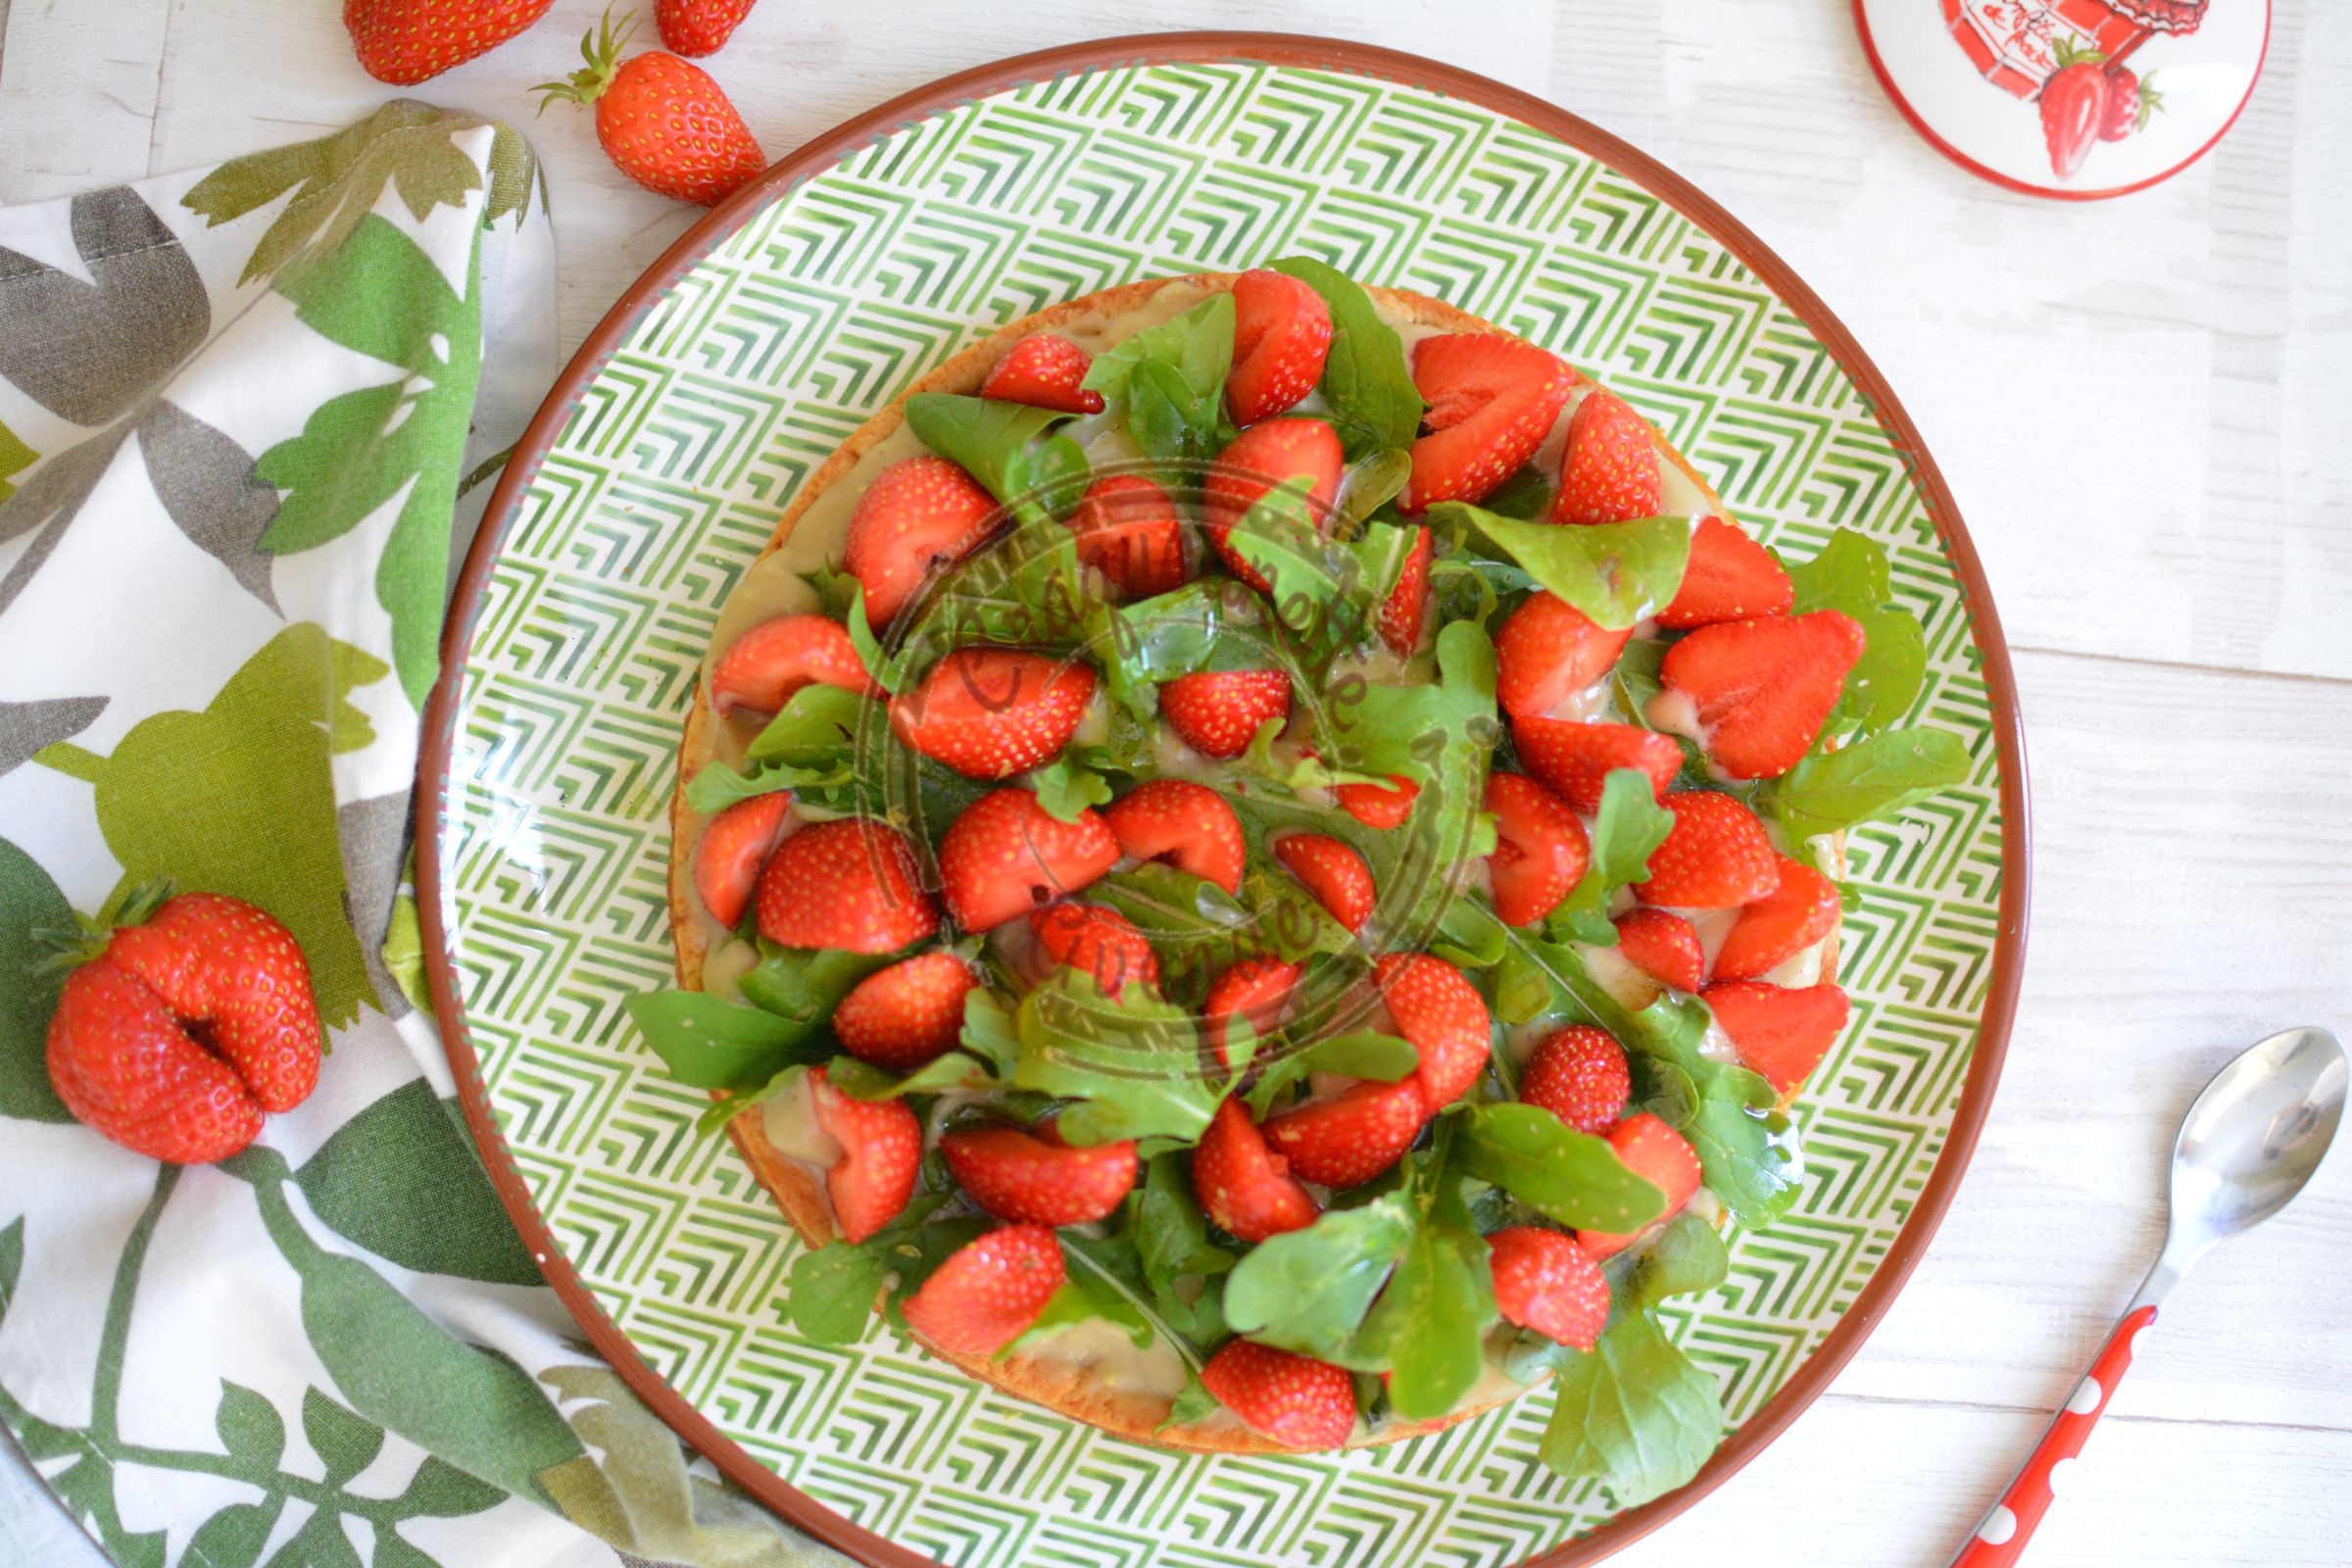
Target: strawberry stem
(72,945)
(601,48)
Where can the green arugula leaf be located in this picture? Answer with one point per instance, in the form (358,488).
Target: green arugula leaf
(832,1289)
(1066,788)
(989,1030)
(1170,1236)
(1469,933)
(889,670)
(1687,1258)
(1525,495)
(1194,1403)
(1615,572)
(810,743)
(1637,678)
(1571,1177)
(1627,831)
(1088,1292)
(1194,347)
(707,1042)
(801,986)
(1171,421)
(1359,1054)
(1635,1414)
(1366,379)
(1428,1329)
(1326,592)
(1852,574)
(860,1080)
(1369,485)
(1309,1289)
(1012,450)
(1878,778)
(1370,728)
(1132,1065)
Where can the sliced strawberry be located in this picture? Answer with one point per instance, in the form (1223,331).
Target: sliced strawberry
(1778,926)
(1762,688)
(1730,577)
(1492,401)
(1547,652)
(1780,1033)
(1044,371)
(1407,604)
(904,1016)
(1017,1175)
(1217,713)
(1281,336)
(1255,989)
(1352,1138)
(1663,946)
(1376,806)
(1578,1074)
(1610,467)
(1541,850)
(1659,1155)
(1245,1186)
(852,884)
(988,1290)
(1573,759)
(990,712)
(762,668)
(1715,858)
(881,1154)
(1333,872)
(1443,1017)
(916,514)
(1188,825)
(734,846)
(1128,530)
(1544,1281)
(1255,462)
(1298,1402)
(1102,943)
(1007,855)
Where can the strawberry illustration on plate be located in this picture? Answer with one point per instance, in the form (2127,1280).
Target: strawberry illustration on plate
(2074,109)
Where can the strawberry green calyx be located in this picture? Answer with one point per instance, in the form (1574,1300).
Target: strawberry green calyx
(76,945)
(601,48)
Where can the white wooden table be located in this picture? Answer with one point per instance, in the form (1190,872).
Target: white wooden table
(2144,407)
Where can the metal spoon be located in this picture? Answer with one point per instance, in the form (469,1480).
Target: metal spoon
(2247,1145)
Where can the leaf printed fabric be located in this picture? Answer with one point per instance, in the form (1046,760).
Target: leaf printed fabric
(236,410)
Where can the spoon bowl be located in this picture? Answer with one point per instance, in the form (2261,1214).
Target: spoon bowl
(2255,1136)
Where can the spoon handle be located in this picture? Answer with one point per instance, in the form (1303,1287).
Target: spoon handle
(2001,1539)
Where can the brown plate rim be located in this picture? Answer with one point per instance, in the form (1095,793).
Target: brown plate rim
(1311,52)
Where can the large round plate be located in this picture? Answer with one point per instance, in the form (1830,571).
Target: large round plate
(650,480)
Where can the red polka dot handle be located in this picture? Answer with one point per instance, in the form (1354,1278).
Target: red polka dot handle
(2001,1539)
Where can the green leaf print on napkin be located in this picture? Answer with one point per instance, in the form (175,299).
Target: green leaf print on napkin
(14,458)
(382,296)
(240,800)
(29,903)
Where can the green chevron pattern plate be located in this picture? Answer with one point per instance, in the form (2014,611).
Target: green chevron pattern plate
(737,379)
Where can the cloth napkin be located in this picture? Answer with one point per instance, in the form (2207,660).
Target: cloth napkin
(239,409)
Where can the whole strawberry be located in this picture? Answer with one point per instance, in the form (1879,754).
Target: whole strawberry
(408,41)
(2073,108)
(183,1025)
(663,123)
(698,26)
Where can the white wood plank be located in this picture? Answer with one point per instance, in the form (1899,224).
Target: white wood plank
(77,94)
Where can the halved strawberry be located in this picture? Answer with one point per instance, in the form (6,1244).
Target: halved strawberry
(1044,371)
(1778,926)
(1663,946)
(1128,530)
(1762,688)
(990,712)
(1296,1400)
(1547,652)
(1544,1281)
(1255,989)
(1036,1178)
(852,884)
(1407,604)
(1610,467)
(1245,1186)
(1352,1138)
(1730,577)
(1492,401)
(1333,872)
(881,1154)
(1659,1155)
(1007,855)
(1541,849)
(1578,1074)
(1186,824)
(733,848)
(903,1016)
(988,1290)
(1573,759)
(916,514)
(1102,942)
(1715,858)
(1375,805)
(1217,713)
(1780,1033)
(1255,462)
(762,668)
(1281,336)
(1443,1017)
